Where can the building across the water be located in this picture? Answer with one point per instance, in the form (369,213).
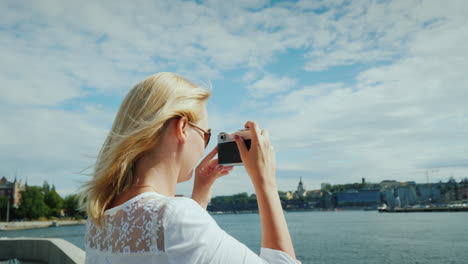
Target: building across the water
(362,198)
(464,189)
(11,190)
(301,192)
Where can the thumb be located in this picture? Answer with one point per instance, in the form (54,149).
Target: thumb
(241,146)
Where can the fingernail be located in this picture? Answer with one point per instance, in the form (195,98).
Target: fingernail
(220,167)
(236,137)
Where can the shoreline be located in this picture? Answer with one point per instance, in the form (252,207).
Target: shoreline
(17,225)
(424,210)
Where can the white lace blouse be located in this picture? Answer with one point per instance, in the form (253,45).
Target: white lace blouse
(153,228)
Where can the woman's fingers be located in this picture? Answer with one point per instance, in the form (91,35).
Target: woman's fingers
(241,146)
(224,173)
(214,169)
(253,127)
(227,169)
(213,163)
(210,156)
(259,161)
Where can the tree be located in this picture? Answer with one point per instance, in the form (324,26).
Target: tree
(53,200)
(45,187)
(326,187)
(236,202)
(3,207)
(70,204)
(32,205)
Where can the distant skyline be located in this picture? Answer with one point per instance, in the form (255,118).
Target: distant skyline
(347,89)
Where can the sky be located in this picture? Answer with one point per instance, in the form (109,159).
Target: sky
(346,89)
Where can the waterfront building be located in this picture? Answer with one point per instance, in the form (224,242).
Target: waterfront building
(464,188)
(389,184)
(452,190)
(363,198)
(314,195)
(326,201)
(406,195)
(428,193)
(301,192)
(388,196)
(11,190)
(286,195)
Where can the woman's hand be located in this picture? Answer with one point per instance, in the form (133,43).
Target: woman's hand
(206,174)
(259,161)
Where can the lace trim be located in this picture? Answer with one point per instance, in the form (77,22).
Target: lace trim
(135,228)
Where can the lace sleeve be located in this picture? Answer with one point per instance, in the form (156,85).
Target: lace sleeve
(134,228)
(159,227)
(191,235)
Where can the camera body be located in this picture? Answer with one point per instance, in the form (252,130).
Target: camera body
(228,152)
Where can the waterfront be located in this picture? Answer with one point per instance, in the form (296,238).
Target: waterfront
(340,237)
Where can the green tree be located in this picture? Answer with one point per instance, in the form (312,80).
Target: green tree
(71,206)
(45,187)
(236,202)
(32,205)
(53,200)
(3,207)
(326,187)
(3,202)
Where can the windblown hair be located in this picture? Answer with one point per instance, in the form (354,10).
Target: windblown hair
(138,126)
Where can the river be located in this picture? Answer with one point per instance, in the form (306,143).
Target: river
(340,237)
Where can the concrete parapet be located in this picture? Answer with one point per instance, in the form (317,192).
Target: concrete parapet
(6,226)
(41,250)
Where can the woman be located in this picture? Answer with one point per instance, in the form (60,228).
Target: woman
(158,136)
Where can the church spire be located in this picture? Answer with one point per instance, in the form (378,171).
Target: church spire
(300,188)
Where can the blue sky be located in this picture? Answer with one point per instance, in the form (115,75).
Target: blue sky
(347,89)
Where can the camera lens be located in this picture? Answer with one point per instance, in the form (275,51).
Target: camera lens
(222,137)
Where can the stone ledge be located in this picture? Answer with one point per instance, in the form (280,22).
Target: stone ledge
(7,226)
(41,250)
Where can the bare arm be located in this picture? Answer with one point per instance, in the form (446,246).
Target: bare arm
(260,163)
(275,233)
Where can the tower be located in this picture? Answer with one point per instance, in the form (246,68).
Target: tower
(300,188)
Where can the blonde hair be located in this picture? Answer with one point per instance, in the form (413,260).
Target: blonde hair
(138,126)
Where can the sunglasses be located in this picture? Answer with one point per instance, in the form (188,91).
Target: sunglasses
(206,134)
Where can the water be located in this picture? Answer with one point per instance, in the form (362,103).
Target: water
(340,237)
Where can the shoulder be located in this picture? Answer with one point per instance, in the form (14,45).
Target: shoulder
(184,215)
(190,233)
(183,209)
(183,202)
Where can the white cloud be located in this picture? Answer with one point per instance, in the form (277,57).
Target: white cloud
(399,117)
(51,144)
(241,4)
(372,31)
(270,84)
(250,76)
(397,121)
(104,49)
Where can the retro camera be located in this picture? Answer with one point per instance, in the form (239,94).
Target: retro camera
(228,152)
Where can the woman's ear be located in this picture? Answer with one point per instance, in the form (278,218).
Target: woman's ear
(180,130)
